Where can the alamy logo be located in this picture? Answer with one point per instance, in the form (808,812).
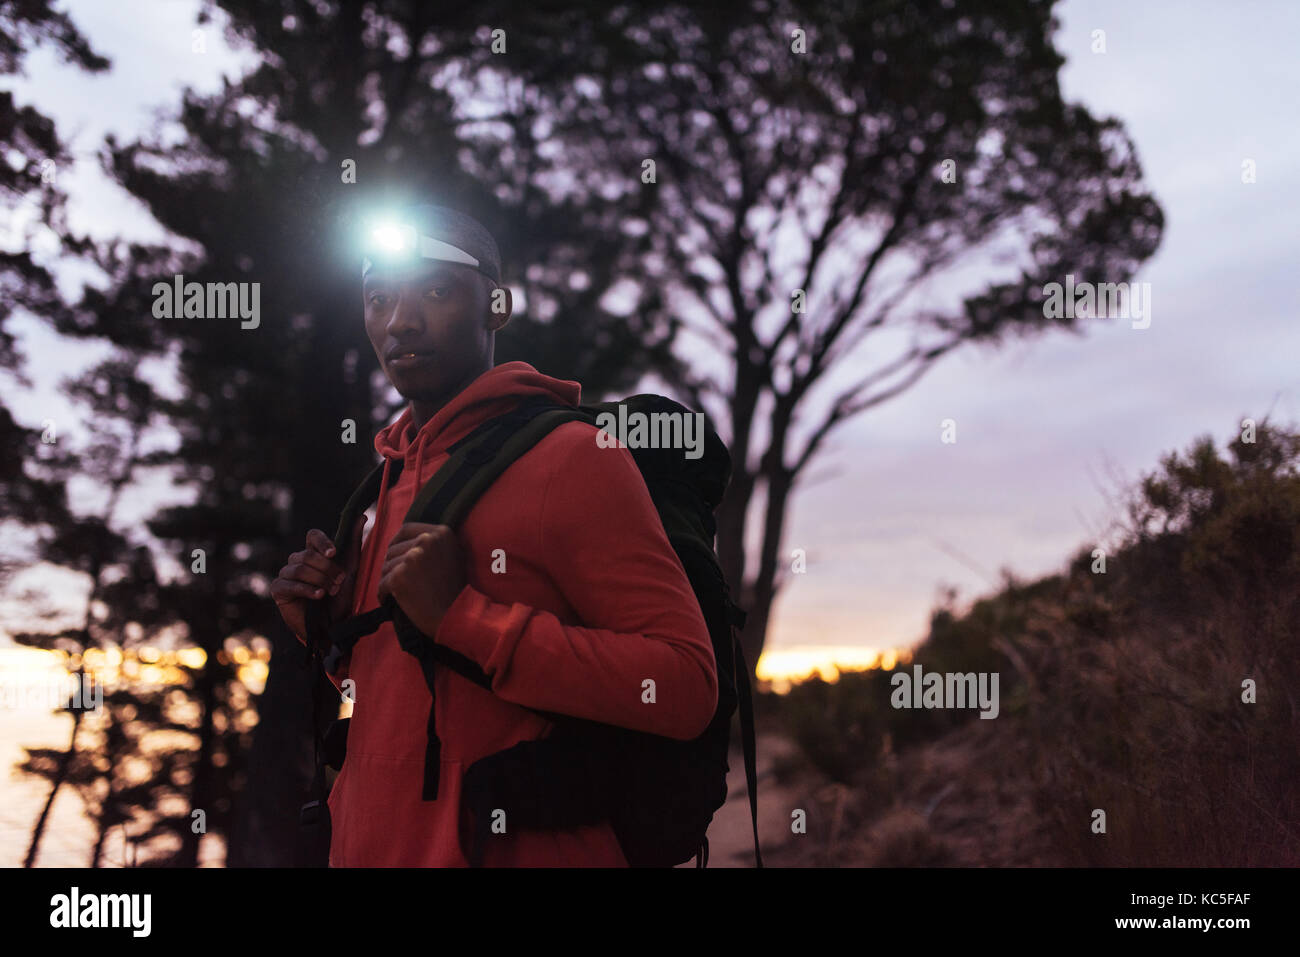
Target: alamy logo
(102,910)
(71,692)
(214,300)
(1113,300)
(653,430)
(946,690)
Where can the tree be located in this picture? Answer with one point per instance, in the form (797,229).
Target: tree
(816,167)
(124,591)
(34,203)
(126,607)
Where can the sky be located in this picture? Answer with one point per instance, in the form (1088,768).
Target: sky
(1047,430)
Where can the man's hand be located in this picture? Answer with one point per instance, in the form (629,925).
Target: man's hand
(424,572)
(313,572)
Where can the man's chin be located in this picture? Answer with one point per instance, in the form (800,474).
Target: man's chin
(418,389)
(415,382)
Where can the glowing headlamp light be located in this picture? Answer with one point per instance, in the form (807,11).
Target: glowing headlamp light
(398,242)
(393,237)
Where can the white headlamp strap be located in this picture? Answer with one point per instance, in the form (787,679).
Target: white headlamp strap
(436,250)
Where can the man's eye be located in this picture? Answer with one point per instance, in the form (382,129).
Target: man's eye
(438,292)
(378,299)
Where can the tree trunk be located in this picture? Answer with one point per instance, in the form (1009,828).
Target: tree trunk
(115,740)
(762,591)
(60,775)
(279,768)
(734,508)
(264,829)
(201,791)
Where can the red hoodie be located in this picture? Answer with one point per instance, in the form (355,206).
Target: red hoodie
(592,602)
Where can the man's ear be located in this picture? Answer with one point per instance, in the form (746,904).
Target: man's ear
(500,307)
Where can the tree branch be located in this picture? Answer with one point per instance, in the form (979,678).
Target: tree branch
(849,403)
(821,241)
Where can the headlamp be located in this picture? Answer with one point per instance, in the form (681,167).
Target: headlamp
(395,242)
(394,238)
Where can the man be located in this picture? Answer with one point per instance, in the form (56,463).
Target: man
(560,583)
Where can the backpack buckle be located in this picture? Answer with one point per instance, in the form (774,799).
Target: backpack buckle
(309,815)
(736,615)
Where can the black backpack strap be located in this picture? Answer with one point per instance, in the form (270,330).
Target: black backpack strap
(313,818)
(478,461)
(319,628)
(475,463)
(463,477)
(314,827)
(344,636)
(747,741)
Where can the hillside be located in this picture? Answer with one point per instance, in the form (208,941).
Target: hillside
(1158,688)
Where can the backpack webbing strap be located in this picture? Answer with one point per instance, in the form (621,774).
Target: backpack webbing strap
(314,816)
(474,463)
(467,455)
(319,628)
(445,500)
(747,742)
(314,827)
(482,831)
(361,499)
(433,744)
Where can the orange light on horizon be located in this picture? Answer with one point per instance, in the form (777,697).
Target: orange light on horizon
(778,668)
(781,668)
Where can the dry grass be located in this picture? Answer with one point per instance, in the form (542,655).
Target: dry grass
(1122,693)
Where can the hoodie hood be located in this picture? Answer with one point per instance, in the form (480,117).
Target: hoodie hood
(493,393)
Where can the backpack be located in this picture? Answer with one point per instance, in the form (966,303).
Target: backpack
(658,794)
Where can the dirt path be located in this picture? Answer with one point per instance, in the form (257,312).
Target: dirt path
(731,835)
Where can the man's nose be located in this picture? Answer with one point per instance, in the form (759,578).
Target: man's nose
(406,315)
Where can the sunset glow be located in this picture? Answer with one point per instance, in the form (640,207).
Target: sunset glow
(780,668)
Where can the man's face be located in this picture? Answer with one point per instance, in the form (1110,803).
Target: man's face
(430,324)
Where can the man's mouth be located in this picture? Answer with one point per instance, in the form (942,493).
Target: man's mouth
(406,357)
